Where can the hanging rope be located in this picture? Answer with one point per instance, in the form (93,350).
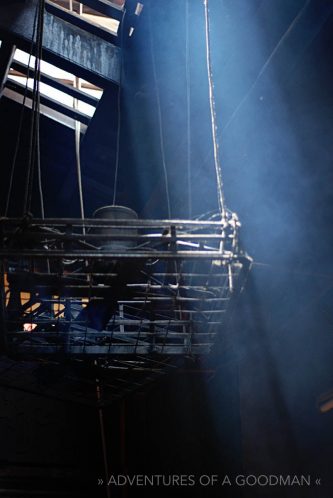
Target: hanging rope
(116,169)
(23,106)
(77,84)
(159,113)
(35,114)
(102,430)
(39,172)
(188,107)
(218,170)
(39,169)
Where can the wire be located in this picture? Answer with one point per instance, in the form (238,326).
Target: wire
(78,158)
(36,157)
(29,181)
(160,125)
(103,435)
(116,170)
(188,107)
(34,130)
(39,172)
(77,84)
(218,170)
(19,131)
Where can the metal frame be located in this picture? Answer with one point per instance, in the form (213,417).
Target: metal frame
(164,286)
(7,51)
(48,102)
(63,87)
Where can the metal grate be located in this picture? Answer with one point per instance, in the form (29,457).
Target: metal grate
(114,289)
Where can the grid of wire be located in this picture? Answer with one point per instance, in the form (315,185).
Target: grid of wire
(120,288)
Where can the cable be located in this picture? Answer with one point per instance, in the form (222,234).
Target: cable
(77,84)
(160,126)
(34,140)
(119,109)
(102,431)
(32,144)
(78,157)
(36,156)
(220,194)
(19,131)
(39,172)
(188,107)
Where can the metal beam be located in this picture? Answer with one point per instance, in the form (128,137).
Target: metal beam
(48,80)
(105,7)
(51,103)
(106,351)
(7,51)
(80,22)
(64,45)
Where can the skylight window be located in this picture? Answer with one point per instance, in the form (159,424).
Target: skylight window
(59,87)
(46,68)
(56,95)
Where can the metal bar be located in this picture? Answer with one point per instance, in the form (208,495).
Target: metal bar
(3,326)
(161,312)
(7,51)
(106,350)
(80,328)
(66,278)
(199,288)
(189,275)
(105,7)
(179,223)
(208,255)
(106,335)
(81,23)
(51,103)
(74,92)
(186,299)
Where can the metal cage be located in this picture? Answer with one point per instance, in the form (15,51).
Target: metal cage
(117,288)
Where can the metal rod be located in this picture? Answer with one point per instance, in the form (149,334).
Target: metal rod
(102,430)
